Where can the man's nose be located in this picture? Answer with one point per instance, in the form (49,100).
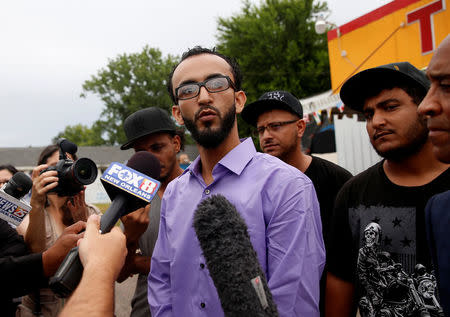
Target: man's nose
(430,105)
(204,96)
(378,119)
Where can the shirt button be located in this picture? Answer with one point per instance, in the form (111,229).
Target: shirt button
(202,305)
(207,191)
(202,266)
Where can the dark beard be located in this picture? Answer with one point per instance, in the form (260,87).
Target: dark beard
(418,134)
(212,138)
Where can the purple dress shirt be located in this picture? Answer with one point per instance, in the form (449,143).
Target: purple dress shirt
(280,208)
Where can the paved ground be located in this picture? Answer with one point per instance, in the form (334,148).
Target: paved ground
(123,295)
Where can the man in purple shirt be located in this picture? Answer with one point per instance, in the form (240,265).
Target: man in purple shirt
(277,201)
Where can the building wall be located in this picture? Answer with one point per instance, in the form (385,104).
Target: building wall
(354,151)
(402,30)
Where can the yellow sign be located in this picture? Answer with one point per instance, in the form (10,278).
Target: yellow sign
(402,30)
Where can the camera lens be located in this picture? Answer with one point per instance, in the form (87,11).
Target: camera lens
(85,171)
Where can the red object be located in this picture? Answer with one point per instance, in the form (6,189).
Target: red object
(423,15)
(372,16)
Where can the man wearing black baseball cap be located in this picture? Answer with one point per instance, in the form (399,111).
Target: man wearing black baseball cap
(152,130)
(392,193)
(278,118)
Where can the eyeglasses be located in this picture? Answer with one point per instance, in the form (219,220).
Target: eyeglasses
(274,127)
(212,85)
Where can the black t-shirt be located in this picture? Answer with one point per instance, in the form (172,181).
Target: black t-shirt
(328,179)
(399,210)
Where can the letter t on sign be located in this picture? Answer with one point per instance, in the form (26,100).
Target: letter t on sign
(423,15)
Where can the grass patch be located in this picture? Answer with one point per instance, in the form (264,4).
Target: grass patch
(102,207)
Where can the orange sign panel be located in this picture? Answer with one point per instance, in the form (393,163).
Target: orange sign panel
(402,30)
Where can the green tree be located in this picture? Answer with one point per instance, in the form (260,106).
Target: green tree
(277,48)
(128,83)
(82,135)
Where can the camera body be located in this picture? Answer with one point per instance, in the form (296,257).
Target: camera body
(72,175)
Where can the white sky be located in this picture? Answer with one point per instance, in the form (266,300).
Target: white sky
(48,48)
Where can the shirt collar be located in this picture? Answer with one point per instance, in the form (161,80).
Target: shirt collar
(235,160)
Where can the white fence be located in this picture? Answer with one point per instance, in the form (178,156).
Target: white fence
(354,151)
(96,193)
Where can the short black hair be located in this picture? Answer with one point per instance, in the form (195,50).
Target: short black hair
(197,50)
(416,92)
(9,168)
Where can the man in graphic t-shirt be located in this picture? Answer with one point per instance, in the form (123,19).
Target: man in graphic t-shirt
(392,193)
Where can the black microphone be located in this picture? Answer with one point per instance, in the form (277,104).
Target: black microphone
(69,273)
(231,260)
(12,208)
(18,185)
(67,146)
(122,202)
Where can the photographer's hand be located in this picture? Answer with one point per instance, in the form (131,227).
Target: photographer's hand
(42,184)
(33,225)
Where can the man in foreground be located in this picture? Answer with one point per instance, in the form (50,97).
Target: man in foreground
(277,202)
(436,107)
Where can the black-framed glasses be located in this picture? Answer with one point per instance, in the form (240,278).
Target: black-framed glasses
(212,85)
(274,127)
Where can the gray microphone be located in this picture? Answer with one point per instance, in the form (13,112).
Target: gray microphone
(231,260)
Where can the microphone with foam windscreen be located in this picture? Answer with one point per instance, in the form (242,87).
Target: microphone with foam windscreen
(12,208)
(130,187)
(18,185)
(231,260)
(67,147)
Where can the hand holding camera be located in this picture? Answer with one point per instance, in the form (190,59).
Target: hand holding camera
(43,181)
(72,175)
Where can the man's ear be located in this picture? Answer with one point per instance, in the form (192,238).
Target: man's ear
(301,126)
(176,113)
(177,142)
(240,99)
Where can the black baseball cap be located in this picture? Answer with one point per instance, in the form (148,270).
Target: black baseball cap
(277,99)
(144,122)
(358,88)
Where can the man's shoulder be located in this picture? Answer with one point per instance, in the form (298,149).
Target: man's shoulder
(442,179)
(181,179)
(330,167)
(270,166)
(365,177)
(268,160)
(441,200)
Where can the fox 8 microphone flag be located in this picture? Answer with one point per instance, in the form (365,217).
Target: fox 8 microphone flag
(12,209)
(131,181)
